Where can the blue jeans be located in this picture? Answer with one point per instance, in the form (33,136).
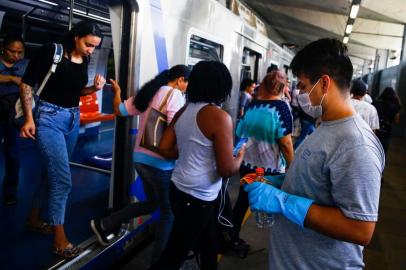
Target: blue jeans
(156,188)
(306,128)
(56,136)
(11,150)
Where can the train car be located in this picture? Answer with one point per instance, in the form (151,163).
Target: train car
(154,35)
(390,77)
(188,31)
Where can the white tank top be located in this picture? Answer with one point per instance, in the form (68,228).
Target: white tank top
(195,171)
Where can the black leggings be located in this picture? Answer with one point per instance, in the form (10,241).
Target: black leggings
(240,207)
(194,228)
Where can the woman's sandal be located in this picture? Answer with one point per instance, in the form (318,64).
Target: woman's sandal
(70,251)
(43,228)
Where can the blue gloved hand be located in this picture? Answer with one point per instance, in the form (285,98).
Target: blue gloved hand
(266,198)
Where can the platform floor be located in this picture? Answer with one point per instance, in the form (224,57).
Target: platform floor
(387,250)
(20,249)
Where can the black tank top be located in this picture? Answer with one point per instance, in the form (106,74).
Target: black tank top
(64,86)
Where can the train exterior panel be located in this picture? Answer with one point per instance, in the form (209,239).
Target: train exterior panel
(187,31)
(391,77)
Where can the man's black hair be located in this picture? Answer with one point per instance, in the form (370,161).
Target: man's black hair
(245,83)
(359,88)
(209,81)
(324,57)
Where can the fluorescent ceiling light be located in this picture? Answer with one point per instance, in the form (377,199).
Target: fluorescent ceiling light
(348,29)
(94,17)
(98,17)
(90,15)
(354,11)
(77,11)
(345,40)
(49,3)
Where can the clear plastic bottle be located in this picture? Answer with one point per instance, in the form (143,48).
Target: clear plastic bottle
(262,219)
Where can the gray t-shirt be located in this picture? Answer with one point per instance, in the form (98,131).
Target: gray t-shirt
(340,165)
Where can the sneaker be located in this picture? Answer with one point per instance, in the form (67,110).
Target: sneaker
(10,199)
(102,235)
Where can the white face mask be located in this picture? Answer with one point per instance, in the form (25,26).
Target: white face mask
(306,105)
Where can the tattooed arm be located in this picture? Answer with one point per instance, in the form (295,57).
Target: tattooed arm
(28,128)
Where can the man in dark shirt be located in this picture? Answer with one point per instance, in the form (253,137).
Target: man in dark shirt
(12,67)
(246,90)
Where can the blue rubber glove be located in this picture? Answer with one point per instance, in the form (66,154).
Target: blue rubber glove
(266,198)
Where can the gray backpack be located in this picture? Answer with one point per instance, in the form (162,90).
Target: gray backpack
(58,54)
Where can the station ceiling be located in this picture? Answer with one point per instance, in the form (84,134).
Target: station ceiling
(379,24)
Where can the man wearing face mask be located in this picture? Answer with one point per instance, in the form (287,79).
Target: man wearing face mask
(327,207)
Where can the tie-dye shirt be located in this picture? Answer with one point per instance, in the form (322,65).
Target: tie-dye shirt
(264,123)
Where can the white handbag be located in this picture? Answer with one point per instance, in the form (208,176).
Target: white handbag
(58,54)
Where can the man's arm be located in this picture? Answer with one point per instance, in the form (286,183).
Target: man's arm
(355,193)
(327,220)
(286,146)
(332,222)
(241,112)
(10,78)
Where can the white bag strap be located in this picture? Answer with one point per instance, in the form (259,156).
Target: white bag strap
(58,54)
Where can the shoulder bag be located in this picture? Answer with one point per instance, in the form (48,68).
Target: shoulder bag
(155,126)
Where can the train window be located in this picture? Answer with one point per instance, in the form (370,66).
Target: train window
(203,49)
(250,64)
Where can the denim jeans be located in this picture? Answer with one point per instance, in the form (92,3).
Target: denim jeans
(11,149)
(156,187)
(56,136)
(306,128)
